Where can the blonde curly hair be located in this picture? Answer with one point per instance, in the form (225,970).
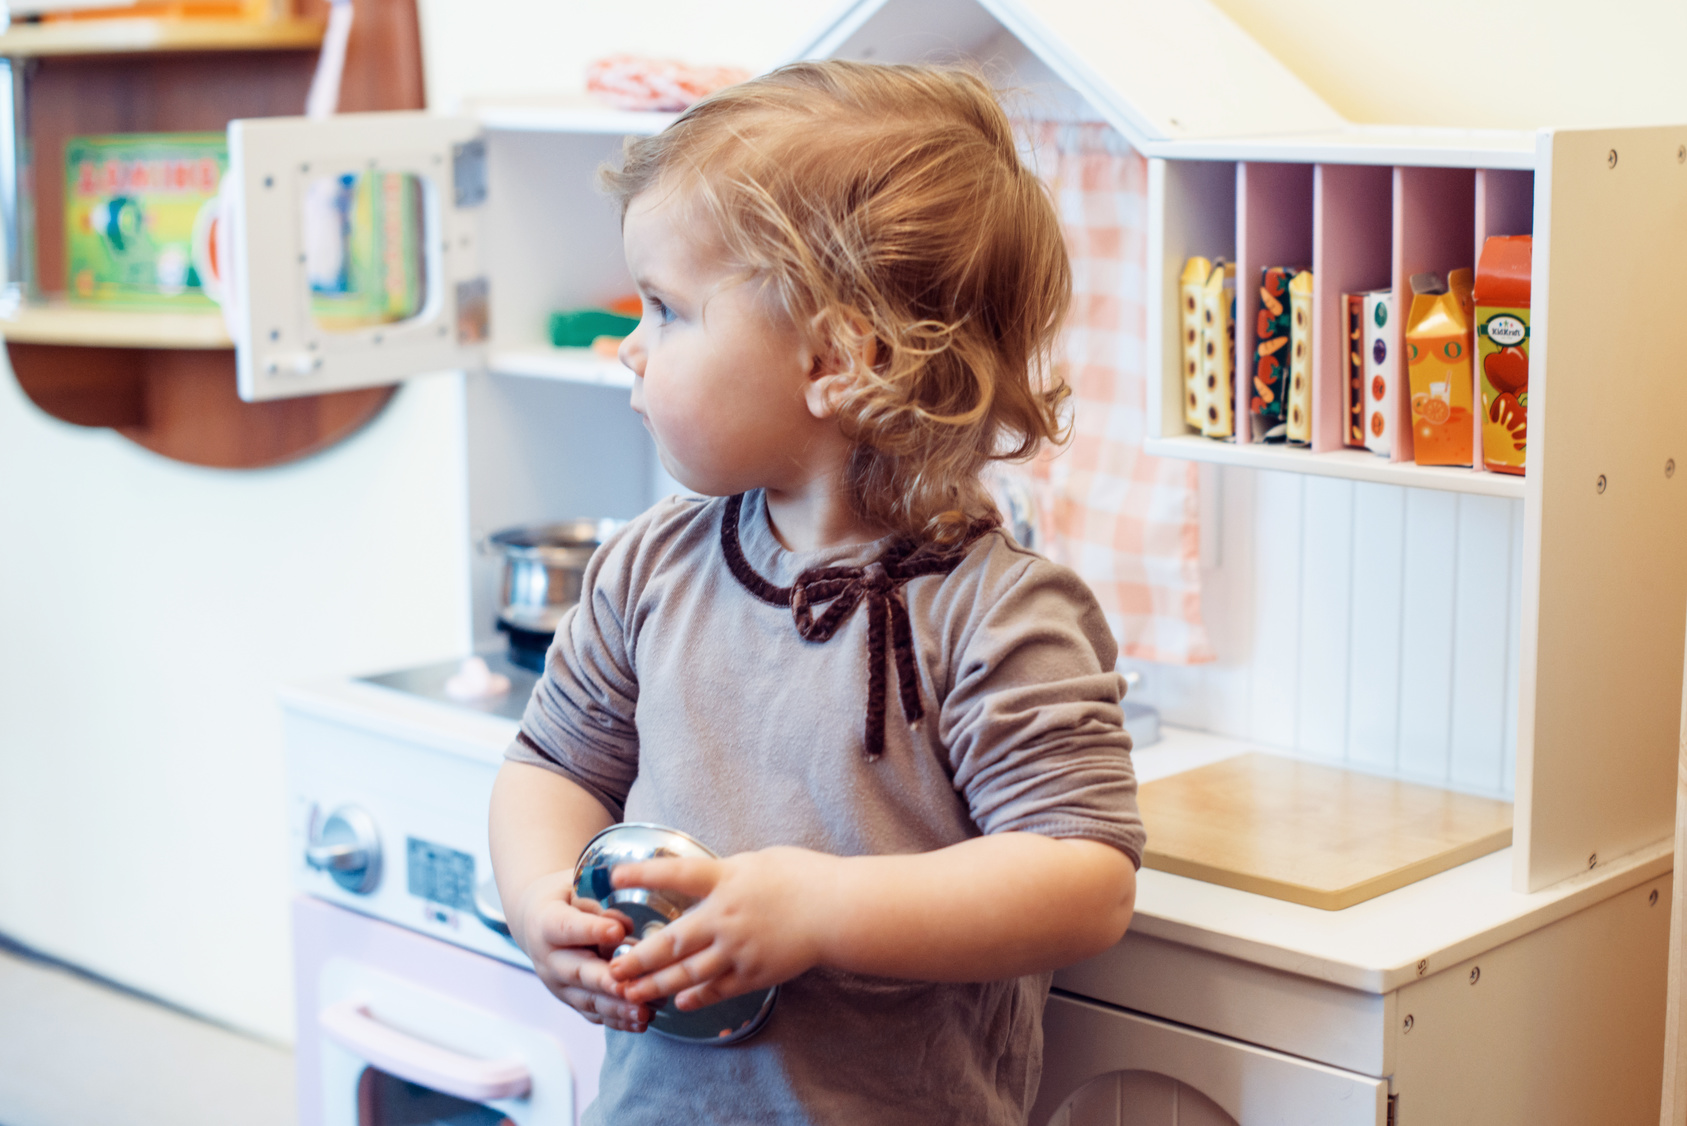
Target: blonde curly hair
(888,206)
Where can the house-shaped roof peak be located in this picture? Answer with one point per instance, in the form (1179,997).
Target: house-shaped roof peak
(1157,70)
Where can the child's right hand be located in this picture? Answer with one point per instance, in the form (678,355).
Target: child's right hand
(569,943)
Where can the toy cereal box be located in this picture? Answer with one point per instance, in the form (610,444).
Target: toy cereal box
(1300,359)
(135,204)
(1218,350)
(1353,366)
(1379,387)
(1438,351)
(1192,285)
(1502,349)
(1268,394)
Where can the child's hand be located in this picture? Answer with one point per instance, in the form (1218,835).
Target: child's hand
(568,941)
(760,922)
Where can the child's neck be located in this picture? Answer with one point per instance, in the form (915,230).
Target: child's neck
(815,516)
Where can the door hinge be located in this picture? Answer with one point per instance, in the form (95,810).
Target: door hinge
(1392,1119)
(468,172)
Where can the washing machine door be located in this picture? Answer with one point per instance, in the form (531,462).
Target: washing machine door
(1155,1062)
(397,1053)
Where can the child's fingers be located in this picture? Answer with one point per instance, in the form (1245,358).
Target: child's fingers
(695,878)
(727,985)
(666,946)
(574,969)
(561,925)
(701,967)
(598,1009)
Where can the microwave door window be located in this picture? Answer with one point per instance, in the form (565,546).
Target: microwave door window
(386,1100)
(365,249)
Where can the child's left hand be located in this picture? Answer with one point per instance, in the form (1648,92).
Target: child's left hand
(761,921)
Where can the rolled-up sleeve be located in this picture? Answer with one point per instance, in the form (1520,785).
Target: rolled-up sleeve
(580,721)
(1032,722)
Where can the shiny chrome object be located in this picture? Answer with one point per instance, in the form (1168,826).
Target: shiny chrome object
(646,911)
(489,907)
(348,848)
(543,569)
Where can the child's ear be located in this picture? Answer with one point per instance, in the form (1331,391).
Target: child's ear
(838,359)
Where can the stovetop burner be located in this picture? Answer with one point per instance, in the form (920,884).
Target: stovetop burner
(428,682)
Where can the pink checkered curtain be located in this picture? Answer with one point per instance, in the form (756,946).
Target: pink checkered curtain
(1124,521)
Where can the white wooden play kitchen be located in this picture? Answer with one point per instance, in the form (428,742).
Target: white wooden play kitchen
(1526,986)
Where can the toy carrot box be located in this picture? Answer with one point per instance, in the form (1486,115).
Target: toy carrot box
(1438,363)
(1502,347)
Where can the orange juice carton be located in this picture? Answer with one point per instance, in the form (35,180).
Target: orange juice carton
(1502,349)
(1438,347)
(1353,368)
(1191,289)
(1379,387)
(1218,350)
(1300,359)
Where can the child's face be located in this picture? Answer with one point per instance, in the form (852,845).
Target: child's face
(721,379)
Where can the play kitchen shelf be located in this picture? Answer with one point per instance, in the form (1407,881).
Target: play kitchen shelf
(165,378)
(1365,219)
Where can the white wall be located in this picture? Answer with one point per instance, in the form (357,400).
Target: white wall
(147,612)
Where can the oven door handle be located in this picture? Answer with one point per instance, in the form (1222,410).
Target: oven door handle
(350,1024)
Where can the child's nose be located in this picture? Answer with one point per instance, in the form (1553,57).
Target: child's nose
(631,351)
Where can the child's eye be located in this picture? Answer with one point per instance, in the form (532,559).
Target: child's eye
(662,313)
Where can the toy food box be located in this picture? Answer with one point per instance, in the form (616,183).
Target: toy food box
(1502,349)
(1300,359)
(1438,347)
(1379,375)
(1218,350)
(135,206)
(1353,304)
(1193,285)
(1268,395)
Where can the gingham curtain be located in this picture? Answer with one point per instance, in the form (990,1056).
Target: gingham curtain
(1126,522)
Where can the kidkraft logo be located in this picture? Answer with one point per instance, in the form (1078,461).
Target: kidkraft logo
(1505,330)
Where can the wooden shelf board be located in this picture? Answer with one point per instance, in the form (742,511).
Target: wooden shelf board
(1355,465)
(94,326)
(572,116)
(129,36)
(569,365)
(1368,144)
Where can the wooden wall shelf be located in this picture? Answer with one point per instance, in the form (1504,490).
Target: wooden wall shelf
(166,380)
(63,323)
(126,36)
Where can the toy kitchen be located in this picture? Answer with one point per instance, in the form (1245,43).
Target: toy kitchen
(1410,833)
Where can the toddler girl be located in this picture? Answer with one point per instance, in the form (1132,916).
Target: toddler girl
(901,729)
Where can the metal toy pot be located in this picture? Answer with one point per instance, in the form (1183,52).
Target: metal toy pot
(544,566)
(646,911)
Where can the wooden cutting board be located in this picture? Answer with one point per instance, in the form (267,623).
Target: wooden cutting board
(1312,834)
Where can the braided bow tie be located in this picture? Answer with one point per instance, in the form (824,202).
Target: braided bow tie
(839,590)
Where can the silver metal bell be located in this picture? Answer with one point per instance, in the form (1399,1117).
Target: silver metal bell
(646,911)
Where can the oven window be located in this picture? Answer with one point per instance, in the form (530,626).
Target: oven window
(386,1100)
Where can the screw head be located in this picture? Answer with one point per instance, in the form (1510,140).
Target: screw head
(1423,966)
(1611,159)
(1406,1025)
(1652,900)
(1475,974)
(1592,859)
(1681,154)
(1669,468)
(269,181)
(1599,485)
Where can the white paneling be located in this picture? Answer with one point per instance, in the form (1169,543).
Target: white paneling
(1429,599)
(1379,532)
(1480,702)
(1357,622)
(1276,607)
(1326,587)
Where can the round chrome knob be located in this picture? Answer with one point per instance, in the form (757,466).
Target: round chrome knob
(348,848)
(490,908)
